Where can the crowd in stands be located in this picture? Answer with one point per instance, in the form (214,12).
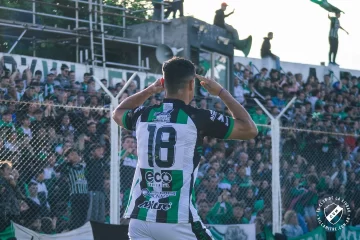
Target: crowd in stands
(55,136)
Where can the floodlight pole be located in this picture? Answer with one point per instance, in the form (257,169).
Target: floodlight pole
(275,154)
(115,149)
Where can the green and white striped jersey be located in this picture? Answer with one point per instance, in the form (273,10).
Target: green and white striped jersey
(169,142)
(334,27)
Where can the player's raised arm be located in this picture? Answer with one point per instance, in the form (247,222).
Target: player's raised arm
(244,127)
(135,101)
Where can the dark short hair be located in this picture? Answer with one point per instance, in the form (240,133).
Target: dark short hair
(64,66)
(70,150)
(126,137)
(5,77)
(96,146)
(238,205)
(177,73)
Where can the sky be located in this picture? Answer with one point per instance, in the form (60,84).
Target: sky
(300,27)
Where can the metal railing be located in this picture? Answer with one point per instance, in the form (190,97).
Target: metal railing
(83,25)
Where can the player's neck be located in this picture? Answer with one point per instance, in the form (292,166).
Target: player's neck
(179,95)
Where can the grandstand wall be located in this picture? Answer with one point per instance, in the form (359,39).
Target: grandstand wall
(114,75)
(295,67)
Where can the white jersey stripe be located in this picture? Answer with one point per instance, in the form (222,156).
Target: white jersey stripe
(136,192)
(192,207)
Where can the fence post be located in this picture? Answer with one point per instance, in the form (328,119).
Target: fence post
(275,156)
(114,161)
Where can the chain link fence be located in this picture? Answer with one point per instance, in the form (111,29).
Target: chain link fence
(319,159)
(54,165)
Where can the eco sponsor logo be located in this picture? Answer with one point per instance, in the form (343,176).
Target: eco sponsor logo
(158,179)
(333,213)
(155,205)
(157,195)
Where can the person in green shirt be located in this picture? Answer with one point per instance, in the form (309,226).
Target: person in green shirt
(237,216)
(6,121)
(220,211)
(260,118)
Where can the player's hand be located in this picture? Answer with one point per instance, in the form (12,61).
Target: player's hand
(156,87)
(210,85)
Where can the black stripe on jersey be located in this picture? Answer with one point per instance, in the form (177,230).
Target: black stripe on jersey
(197,156)
(161,215)
(174,115)
(199,231)
(141,198)
(144,116)
(196,161)
(191,218)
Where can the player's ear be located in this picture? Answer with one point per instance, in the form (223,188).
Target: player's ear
(192,84)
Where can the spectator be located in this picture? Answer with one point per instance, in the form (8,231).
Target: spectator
(157,9)
(291,227)
(25,127)
(63,78)
(9,197)
(219,20)
(96,175)
(221,210)
(128,161)
(237,215)
(42,207)
(42,192)
(266,50)
(73,173)
(333,36)
(178,5)
(38,76)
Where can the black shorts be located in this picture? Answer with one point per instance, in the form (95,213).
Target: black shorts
(334,43)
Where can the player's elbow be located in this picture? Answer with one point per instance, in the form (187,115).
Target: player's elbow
(116,116)
(244,131)
(251,133)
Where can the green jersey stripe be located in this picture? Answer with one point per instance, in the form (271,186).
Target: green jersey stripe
(182,117)
(131,194)
(231,120)
(124,119)
(151,115)
(177,183)
(144,211)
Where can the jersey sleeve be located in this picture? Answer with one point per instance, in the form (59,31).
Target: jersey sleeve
(214,124)
(130,118)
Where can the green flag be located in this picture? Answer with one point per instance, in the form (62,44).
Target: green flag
(327,6)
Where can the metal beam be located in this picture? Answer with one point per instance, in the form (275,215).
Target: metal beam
(17,41)
(67,32)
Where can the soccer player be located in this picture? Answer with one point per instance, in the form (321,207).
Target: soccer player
(170,137)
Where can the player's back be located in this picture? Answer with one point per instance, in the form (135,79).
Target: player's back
(167,158)
(169,141)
